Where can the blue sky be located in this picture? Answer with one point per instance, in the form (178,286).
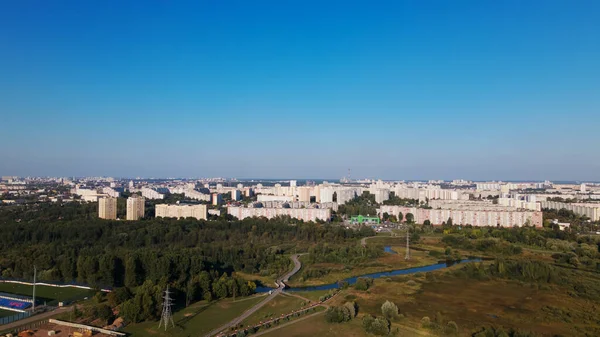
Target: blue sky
(306,89)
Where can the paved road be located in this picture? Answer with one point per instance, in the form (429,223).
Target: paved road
(280,286)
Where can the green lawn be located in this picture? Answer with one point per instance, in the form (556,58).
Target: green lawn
(281,304)
(197,319)
(45,293)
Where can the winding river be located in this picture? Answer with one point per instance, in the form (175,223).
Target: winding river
(396,272)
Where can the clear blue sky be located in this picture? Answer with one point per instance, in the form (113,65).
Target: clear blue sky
(394,90)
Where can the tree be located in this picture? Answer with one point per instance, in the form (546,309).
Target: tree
(410,217)
(400,217)
(389,310)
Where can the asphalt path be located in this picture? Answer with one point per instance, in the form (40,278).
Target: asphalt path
(280,286)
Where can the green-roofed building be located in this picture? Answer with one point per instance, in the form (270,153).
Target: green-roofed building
(359,219)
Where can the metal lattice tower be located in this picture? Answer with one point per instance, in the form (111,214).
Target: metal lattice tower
(407,256)
(166,316)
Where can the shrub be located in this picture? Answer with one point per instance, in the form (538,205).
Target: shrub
(389,310)
(376,325)
(342,313)
(451,328)
(426,322)
(363,283)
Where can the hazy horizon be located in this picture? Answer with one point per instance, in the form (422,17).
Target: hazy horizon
(402,90)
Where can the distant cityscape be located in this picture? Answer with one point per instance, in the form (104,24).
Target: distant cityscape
(435,202)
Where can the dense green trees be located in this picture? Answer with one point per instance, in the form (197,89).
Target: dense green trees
(343,313)
(361,205)
(196,258)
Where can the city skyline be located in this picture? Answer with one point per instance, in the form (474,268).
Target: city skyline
(402,90)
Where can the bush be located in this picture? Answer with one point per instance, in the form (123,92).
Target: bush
(426,322)
(363,283)
(376,325)
(342,313)
(451,328)
(411,283)
(389,310)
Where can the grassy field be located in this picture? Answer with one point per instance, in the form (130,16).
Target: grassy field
(472,304)
(45,293)
(197,319)
(317,326)
(312,295)
(281,304)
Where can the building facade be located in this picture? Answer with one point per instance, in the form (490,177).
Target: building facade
(181,211)
(305,214)
(135,207)
(107,208)
(592,211)
(475,216)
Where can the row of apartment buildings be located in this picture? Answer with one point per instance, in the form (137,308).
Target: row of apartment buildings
(590,210)
(305,214)
(478,215)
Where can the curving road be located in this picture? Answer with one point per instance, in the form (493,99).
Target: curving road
(280,286)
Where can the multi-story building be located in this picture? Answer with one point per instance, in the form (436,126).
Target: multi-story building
(181,211)
(149,193)
(107,208)
(236,195)
(305,214)
(135,207)
(481,215)
(304,193)
(264,197)
(326,194)
(590,210)
(217,199)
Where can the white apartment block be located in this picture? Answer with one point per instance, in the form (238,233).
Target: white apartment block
(326,194)
(592,211)
(475,217)
(181,211)
(381,194)
(189,192)
(265,197)
(345,194)
(488,186)
(111,192)
(305,214)
(236,195)
(107,208)
(149,193)
(135,207)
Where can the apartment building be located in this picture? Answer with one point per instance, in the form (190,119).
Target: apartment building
(590,210)
(305,214)
(181,211)
(107,208)
(135,207)
(474,215)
